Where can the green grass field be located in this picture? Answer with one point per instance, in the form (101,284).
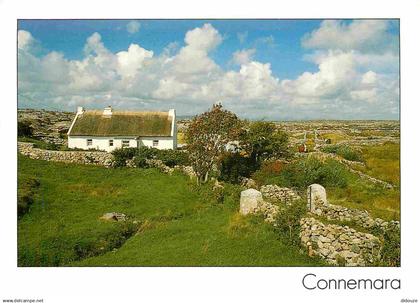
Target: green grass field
(177,226)
(382,162)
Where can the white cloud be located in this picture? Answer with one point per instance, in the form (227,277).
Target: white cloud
(25,39)
(369,77)
(243,56)
(130,61)
(203,38)
(348,82)
(336,72)
(368,95)
(133,27)
(362,35)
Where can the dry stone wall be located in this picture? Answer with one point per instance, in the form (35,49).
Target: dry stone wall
(360,217)
(276,193)
(79,157)
(252,202)
(337,244)
(318,204)
(93,157)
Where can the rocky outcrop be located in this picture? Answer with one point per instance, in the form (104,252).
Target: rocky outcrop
(48,126)
(79,157)
(277,194)
(339,245)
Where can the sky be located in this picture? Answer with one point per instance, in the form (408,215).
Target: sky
(260,69)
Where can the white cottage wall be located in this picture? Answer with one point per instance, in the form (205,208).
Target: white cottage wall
(99,143)
(102,143)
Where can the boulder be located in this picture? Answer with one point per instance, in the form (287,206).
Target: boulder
(250,199)
(113,217)
(317,197)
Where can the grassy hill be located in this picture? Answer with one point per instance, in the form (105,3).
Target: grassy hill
(177,225)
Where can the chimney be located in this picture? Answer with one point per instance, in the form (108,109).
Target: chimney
(107,111)
(80,110)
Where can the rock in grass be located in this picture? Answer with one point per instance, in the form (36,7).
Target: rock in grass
(113,217)
(250,200)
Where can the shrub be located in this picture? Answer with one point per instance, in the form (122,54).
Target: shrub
(167,156)
(288,220)
(172,157)
(344,151)
(24,129)
(123,154)
(391,250)
(218,194)
(140,162)
(234,166)
(304,172)
(26,191)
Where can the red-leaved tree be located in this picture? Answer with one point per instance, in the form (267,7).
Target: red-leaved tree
(207,136)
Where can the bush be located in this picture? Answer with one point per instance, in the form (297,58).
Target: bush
(344,151)
(24,129)
(391,250)
(26,192)
(123,154)
(168,156)
(304,172)
(288,220)
(234,166)
(140,162)
(172,157)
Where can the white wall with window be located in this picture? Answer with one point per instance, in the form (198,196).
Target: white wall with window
(110,143)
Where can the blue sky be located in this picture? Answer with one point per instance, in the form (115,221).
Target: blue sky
(259,68)
(285,53)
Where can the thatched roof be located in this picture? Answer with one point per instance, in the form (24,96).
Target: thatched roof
(138,124)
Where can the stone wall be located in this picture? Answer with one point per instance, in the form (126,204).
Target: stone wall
(93,157)
(252,202)
(318,204)
(337,244)
(79,157)
(276,193)
(360,217)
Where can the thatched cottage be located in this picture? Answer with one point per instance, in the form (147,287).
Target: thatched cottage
(109,129)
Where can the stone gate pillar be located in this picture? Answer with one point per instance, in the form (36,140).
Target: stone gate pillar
(316,198)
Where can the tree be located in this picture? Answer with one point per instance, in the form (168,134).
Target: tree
(263,140)
(207,136)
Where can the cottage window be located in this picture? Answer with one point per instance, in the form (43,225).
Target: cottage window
(89,142)
(111,142)
(155,143)
(125,143)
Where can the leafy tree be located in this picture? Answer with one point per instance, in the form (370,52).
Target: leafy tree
(263,141)
(207,136)
(235,165)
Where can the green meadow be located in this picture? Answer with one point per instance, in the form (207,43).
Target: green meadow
(175,224)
